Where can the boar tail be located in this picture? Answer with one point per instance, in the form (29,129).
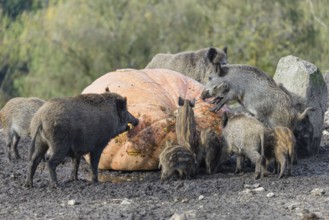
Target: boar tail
(303,115)
(32,147)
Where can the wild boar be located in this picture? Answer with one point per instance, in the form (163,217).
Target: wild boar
(76,126)
(15,118)
(281,149)
(172,158)
(210,147)
(177,160)
(244,136)
(195,64)
(187,134)
(256,92)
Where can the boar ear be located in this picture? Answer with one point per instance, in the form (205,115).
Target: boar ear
(211,54)
(107,89)
(192,103)
(225,50)
(180,101)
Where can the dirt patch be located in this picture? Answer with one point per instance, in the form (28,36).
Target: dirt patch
(141,195)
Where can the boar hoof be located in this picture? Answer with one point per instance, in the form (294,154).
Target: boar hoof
(28,184)
(257,176)
(54,185)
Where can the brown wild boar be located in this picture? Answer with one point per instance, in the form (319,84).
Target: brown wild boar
(177,160)
(244,136)
(15,118)
(256,92)
(180,157)
(76,126)
(281,149)
(210,148)
(195,64)
(187,134)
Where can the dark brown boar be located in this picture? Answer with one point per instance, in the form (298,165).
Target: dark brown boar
(76,126)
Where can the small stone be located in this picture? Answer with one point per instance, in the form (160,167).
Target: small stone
(184,200)
(247,191)
(201,197)
(178,217)
(291,206)
(270,195)
(259,189)
(125,202)
(256,185)
(72,202)
(317,192)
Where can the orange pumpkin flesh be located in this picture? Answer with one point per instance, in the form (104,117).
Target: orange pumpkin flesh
(152,97)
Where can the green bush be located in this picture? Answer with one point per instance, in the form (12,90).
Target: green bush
(60,48)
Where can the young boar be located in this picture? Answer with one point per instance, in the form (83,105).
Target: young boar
(210,148)
(15,118)
(280,149)
(76,126)
(256,92)
(180,157)
(177,160)
(195,64)
(244,136)
(187,135)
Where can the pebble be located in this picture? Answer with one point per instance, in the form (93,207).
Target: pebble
(201,197)
(72,202)
(270,195)
(291,206)
(259,189)
(318,192)
(125,202)
(256,185)
(178,217)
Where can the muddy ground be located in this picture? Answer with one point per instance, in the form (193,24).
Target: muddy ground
(141,195)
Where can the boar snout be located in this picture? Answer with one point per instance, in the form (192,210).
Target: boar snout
(132,120)
(205,94)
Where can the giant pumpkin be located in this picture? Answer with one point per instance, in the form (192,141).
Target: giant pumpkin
(152,96)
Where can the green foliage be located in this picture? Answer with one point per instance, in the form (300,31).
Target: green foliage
(59,48)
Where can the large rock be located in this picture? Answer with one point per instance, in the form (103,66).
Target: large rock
(305,81)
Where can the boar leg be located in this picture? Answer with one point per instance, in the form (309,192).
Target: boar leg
(289,165)
(75,167)
(219,105)
(94,160)
(59,153)
(282,162)
(36,158)
(239,159)
(165,174)
(210,158)
(7,147)
(16,139)
(257,159)
(182,173)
